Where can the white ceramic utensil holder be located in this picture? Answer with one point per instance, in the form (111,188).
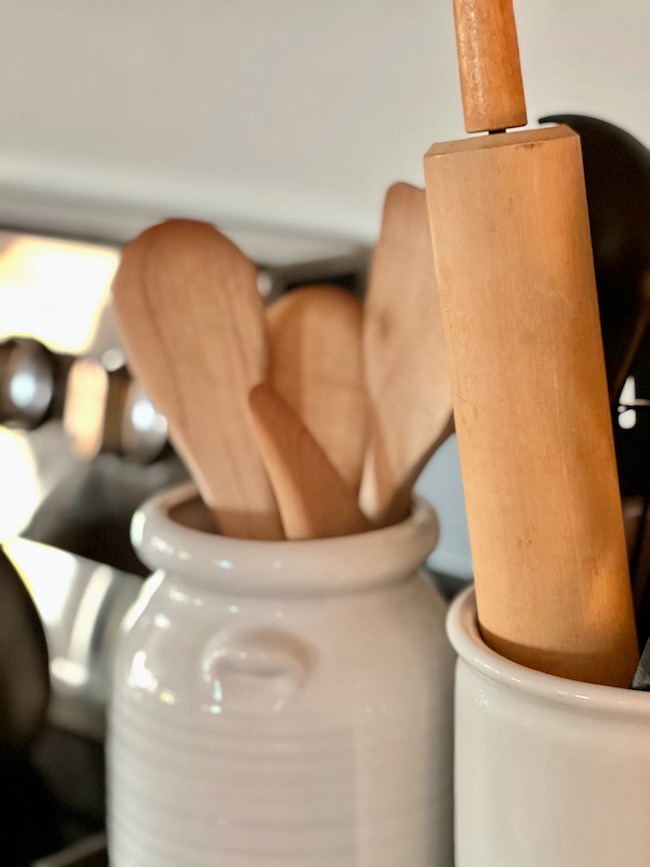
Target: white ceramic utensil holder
(548,772)
(281,704)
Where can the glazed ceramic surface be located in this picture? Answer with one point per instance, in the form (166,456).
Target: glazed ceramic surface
(548,772)
(281,704)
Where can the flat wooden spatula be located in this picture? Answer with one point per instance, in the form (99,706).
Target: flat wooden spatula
(405,358)
(192,323)
(511,241)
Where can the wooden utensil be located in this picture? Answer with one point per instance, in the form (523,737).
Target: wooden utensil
(405,358)
(192,322)
(515,272)
(315,502)
(316,366)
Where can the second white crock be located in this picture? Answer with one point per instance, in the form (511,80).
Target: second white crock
(549,772)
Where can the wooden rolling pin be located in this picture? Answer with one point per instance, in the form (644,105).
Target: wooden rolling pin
(508,217)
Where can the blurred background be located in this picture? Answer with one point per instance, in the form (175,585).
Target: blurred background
(283,123)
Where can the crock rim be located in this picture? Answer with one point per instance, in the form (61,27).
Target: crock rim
(464,634)
(262,567)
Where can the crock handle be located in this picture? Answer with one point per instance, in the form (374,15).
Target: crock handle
(255,670)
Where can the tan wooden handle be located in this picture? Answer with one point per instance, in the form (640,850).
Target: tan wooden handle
(488,59)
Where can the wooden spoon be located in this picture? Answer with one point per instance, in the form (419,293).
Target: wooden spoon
(192,323)
(315,502)
(405,359)
(316,365)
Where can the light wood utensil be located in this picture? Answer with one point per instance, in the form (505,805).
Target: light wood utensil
(405,358)
(316,366)
(314,500)
(192,323)
(515,272)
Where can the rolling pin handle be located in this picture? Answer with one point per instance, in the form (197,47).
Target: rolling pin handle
(488,59)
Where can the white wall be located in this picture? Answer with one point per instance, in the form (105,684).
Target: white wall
(295,113)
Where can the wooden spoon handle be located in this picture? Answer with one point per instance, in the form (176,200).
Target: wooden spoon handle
(314,500)
(488,58)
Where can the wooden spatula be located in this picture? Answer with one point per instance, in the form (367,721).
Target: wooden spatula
(316,365)
(405,358)
(192,323)
(510,229)
(314,500)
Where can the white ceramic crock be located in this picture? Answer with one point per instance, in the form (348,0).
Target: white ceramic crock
(548,772)
(281,704)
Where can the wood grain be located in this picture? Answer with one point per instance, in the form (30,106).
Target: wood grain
(316,365)
(488,60)
(515,272)
(404,356)
(315,502)
(192,323)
